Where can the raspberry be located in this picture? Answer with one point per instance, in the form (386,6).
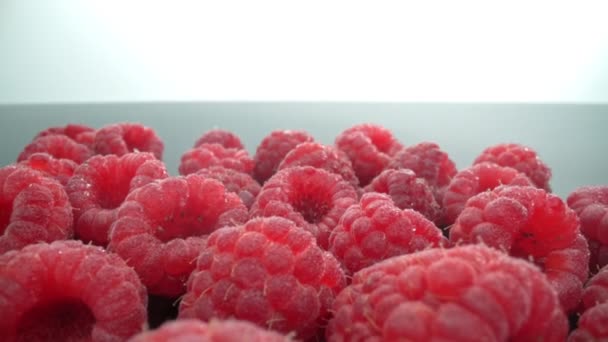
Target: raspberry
(468,293)
(100,185)
(475,179)
(522,159)
(267,271)
(222,137)
(427,161)
(375,229)
(530,223)
(79,133)
(273,148)
(596,290)
(33,208)
(59,146)
(323,157)
(236,182)
(591,206)
(122,138)
(190,330)
(59,169)
(67,291)
(312,198)
(208,155)
(592,325)
(161,227)
(407,192)
(369,148)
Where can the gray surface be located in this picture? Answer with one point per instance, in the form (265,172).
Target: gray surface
(571,139)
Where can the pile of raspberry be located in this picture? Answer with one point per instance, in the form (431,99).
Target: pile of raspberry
(365,238)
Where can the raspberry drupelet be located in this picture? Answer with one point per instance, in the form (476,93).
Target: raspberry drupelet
(408,192)
(370,149)
(190,330)
(58,146)
(222,137)
(520,157)
(122,138)
(33,208)
(322,157)
(428,161)
(591,206)
(68,291)
(101,184)
(236,182)
(273,148)
(269,272)
(313,198)
(532,224)
(375,229)
(475,179)
(208,155)
(467,293)
(161,227)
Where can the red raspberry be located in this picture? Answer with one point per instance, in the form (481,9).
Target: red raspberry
(236,182)
(79,133)
(475,179)
(190,330)
(222,137)
(322,157)
(161,227)
(530,223)
(122,138)
(99,187)
(370,149)
(67,291)
(596,290)
(33,208)
(591,206)
(469,293)
(208,155)
(521,158)
(592,325)
(427,161)
(273,148)
(59,169)
(312,198)
(267,271)
(407,192)
(375,229)
(59,146)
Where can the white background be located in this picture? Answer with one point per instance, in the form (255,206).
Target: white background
(113,51)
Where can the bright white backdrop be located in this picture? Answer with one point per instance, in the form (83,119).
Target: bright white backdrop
(109,51)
